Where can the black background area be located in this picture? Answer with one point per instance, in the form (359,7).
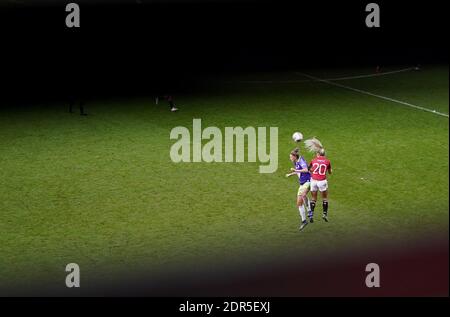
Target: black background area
(130,49)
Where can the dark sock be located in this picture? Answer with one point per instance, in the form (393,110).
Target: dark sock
(325,207)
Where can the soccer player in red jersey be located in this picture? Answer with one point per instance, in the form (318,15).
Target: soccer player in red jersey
(319,167)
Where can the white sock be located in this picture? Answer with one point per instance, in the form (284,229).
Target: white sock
(302,211)
(306,199)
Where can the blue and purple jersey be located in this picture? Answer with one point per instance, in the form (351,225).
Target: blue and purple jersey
(299,165)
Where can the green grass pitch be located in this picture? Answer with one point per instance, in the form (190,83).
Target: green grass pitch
(102,191)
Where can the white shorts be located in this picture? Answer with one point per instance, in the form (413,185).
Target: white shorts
(319,185)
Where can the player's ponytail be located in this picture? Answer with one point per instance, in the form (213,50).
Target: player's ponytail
(314,145)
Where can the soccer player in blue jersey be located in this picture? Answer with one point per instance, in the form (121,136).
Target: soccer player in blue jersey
(301,169)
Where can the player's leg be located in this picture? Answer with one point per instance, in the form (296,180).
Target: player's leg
(325,205)
(307,201)
(324,194)
(301,207)
(308,205)
(314,189)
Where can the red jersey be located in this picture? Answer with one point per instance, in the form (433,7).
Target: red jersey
(319,167)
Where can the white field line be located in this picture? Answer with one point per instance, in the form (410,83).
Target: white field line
(372,75)
(374,95)
(334,79)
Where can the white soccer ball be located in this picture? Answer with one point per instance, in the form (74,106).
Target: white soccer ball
(297,137)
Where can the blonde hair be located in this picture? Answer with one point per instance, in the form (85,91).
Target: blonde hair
(314,145)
